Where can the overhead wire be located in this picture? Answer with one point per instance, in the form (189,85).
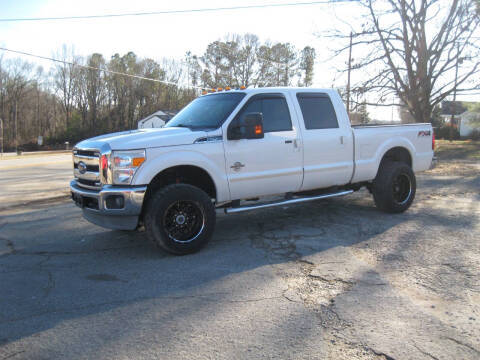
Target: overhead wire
(155,13)
(178,11)
(98,69)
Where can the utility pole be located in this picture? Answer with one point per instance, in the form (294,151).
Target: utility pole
(349,70)
(1,127)
(16,128)
(459,61)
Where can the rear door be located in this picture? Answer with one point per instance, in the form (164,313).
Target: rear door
(327,141)
(271,165)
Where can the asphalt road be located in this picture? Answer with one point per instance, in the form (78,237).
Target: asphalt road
(326,280)
(34,178)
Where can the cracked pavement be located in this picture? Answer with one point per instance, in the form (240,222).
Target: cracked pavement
(332,279)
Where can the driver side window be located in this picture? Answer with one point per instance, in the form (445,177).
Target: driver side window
(276,115)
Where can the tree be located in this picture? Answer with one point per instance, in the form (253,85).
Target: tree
(212,60)
(247,59)
(419,50)
(95,87)
(307,62)
(277,64)
(66,73)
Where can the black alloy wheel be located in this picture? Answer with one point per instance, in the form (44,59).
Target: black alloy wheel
(184,221)
(179,218)
(394,187)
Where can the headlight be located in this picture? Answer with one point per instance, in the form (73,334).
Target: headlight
(125,164)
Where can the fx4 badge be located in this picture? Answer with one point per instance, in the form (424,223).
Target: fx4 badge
(424,133)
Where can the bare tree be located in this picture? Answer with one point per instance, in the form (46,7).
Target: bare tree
(418,50)
(95,87)
(65,80)
(247,60)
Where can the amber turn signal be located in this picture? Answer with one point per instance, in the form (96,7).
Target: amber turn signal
(136,162)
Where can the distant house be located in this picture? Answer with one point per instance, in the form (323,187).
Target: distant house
(156,120)
(466,115)
(469,121)
(456,108)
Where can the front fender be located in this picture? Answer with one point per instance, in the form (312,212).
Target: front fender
(159,159)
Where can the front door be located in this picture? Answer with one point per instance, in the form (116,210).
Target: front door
(272,165)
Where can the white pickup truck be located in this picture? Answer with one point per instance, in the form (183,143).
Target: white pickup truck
(230,150)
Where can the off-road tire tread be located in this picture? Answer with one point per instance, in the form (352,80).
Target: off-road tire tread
(161,199)
(382,186)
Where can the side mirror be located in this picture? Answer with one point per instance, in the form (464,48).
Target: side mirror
(251,127)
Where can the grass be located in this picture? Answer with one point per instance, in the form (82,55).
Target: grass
(457,150)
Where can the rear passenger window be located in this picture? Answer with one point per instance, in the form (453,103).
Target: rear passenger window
(317,111)
(276,115)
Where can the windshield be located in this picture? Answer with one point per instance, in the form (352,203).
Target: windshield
(207,111)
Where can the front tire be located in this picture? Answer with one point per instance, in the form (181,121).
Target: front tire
(394,187)
(180,219)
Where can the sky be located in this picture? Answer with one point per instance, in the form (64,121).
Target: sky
(172,35)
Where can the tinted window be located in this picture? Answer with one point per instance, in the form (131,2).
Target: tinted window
(276,116)
(317,111)
(208,111)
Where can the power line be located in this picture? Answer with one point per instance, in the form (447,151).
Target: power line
(99,69)
(177,11)
(111,71)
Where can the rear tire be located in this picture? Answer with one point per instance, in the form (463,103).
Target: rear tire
(394,187)
(179,219)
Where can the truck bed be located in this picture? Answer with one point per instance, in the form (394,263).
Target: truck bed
(372,141)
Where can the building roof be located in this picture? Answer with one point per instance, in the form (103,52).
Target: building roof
(163,115)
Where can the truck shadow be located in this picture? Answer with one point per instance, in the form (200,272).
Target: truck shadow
(57,271)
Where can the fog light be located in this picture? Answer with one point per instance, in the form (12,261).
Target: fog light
(114,202)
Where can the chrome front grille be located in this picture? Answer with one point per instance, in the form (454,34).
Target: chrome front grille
(86,168)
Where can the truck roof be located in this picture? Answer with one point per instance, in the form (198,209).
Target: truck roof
(276,89)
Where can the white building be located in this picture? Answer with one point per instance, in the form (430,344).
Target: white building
(155,120)
(469,121)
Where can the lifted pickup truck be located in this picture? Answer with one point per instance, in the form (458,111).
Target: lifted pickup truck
(231,149)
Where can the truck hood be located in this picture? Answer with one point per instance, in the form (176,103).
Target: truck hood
(143,138)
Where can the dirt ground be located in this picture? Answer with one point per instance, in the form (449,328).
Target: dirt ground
(333,279)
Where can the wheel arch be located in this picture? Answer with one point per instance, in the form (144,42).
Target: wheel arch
(400,153)
(163,161)
(185,174)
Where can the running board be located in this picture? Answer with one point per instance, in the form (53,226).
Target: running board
(285,202)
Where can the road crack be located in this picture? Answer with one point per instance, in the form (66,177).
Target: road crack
(462,344)
(9,356)
(425,353)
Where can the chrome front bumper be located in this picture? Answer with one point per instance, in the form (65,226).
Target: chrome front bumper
(99,207)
